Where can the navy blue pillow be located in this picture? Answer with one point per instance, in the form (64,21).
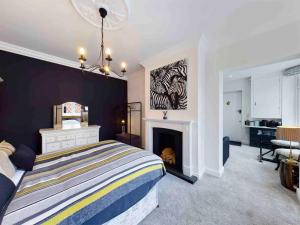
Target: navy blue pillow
(7,188)
(23,158)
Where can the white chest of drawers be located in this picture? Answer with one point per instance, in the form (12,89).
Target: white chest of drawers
(60,139)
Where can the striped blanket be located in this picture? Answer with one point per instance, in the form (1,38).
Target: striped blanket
(79,185)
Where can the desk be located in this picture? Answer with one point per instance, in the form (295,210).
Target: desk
(256,140)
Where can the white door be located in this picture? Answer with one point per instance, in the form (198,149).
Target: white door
(232,113)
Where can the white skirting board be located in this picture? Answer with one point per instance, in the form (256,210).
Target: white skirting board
(139,211)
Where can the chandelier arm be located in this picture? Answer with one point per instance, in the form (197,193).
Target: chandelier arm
(103,67)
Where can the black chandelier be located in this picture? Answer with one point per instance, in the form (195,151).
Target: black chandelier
(103,64)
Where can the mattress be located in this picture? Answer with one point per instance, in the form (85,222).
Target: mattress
(84,185)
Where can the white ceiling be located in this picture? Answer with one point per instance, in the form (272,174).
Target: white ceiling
(54,27)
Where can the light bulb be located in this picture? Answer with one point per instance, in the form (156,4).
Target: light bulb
(123,65)
(108,52)
(106,68)
(81,51)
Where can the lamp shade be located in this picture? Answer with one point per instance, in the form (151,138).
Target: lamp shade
(288,133)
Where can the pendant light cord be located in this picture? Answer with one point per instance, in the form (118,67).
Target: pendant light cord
(102,45)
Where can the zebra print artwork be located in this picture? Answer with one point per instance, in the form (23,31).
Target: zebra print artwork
(168,87)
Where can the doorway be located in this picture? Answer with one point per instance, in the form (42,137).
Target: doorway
(232,113)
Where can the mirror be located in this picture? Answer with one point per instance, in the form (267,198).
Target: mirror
(70,115)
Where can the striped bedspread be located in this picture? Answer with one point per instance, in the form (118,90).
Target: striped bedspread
(84,184)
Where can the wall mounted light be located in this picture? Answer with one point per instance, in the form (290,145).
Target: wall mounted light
(1,80)
(123,126)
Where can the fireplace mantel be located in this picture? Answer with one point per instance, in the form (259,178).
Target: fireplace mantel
(188,139)
(169,121)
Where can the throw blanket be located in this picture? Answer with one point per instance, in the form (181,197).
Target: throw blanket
(78,185)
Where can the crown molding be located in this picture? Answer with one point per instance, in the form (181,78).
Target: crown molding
(47,57)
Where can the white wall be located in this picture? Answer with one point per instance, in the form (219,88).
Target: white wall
(273,46)
(289,100)
(136,93)
(194,52)
(201,93)
(187,51)
(242,85)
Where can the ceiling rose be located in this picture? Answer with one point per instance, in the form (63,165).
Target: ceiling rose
(117,12)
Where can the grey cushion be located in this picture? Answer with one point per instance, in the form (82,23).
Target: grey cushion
(286,152)
(285,143)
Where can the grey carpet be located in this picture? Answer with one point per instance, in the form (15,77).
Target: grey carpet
(249,193)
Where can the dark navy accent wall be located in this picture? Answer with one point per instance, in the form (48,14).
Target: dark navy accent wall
(31,87)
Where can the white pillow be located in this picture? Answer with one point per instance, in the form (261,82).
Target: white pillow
(6,147)
(285,143)
(6,167)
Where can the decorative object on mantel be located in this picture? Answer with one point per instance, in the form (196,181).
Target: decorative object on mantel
(115,12)
(168,87)
(165,115)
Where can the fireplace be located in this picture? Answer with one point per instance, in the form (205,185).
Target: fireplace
(167,144)
(172,140)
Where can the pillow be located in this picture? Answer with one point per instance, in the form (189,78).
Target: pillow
(23,158)
(7,188)
(284,143)
(7,148)
(6,167)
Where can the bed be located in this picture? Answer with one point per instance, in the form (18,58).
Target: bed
(104,183)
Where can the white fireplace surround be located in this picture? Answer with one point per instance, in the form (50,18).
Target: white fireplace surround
(186,127)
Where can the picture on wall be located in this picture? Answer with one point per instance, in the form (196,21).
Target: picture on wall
(168,87)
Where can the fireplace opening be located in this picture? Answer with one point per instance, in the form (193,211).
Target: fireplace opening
(168,145)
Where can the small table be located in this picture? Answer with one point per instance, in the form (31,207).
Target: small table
(289,174)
